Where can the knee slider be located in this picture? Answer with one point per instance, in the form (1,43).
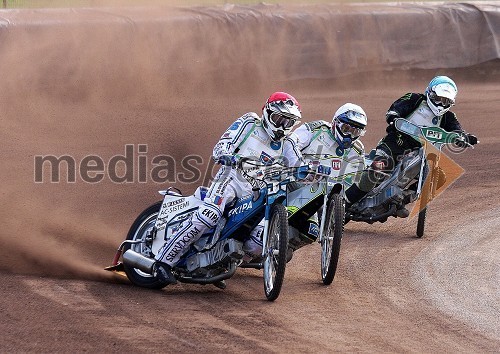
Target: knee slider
(208,214)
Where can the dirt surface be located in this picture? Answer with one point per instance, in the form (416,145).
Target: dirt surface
(392,292)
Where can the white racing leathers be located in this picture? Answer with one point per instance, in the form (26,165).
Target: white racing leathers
(245,138)
(317,144)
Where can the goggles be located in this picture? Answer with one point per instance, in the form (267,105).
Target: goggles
(280,120)
(346,128)
(441,101)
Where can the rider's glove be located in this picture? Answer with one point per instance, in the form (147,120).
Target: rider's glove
(460,142)
(391,117)
(472,139)
(317,172)
(229,160)
(301,172)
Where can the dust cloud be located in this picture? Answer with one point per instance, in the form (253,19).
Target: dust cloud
(89,82)
(88,88)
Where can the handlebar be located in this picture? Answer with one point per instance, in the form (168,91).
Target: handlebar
(270,172)
(435,135)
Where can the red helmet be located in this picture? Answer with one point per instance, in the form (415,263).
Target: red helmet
(280,113)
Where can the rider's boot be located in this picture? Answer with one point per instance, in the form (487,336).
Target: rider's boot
(353,194)
(163,272)
(221,284)
(402,212)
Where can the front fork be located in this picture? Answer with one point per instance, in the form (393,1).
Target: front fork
(323,218)
(270,200)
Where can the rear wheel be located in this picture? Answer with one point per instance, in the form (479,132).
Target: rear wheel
(275,252)
(138,231)
(330,243)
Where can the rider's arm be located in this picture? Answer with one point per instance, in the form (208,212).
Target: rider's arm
(450,123)
(234,136)
(302,136)
(356,156)
(402,107)
(291,152)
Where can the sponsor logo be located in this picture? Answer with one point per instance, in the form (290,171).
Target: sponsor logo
(174,202)
(235,126)
(177,207)
(210,214)
(183,242)
(265,158)
(275,145)
(226,135)
(313,229)
(336,164)
(173,206)
(251,152)
(431,134)
(218,200)
(241,208)
(223,185)
(324,169)
(258,137)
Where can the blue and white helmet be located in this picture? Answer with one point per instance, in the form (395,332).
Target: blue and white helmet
(441,94)
(349,123)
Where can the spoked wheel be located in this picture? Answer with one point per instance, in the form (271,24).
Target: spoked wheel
(330,244)
(421,222)
(275,252)
(428,191)
(138,231)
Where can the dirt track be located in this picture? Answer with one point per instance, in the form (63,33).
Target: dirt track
(392,292)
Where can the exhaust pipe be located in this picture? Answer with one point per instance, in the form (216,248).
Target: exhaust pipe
(137,260)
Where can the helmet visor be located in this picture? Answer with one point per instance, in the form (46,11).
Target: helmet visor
(444,102)
(346,128)
(281,121)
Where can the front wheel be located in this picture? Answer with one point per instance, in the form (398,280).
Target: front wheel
(428,193)
(138,231)
(275,252)
(421,222)
(330,243)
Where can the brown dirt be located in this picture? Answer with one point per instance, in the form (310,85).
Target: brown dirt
(392,292)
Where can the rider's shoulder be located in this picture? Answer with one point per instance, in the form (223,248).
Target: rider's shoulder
(317,124)
(411,97)
(249,119)
(450,115)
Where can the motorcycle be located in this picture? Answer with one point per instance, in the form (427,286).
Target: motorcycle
(416,177)
(325,197)
(217,254)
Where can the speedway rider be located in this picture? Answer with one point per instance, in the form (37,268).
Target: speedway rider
(425,110)
(339,143)
(249,137)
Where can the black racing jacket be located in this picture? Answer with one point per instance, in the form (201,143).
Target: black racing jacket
(408,103)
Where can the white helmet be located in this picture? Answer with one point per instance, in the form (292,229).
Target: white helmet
(348,124)
(280,113)
(441,94)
